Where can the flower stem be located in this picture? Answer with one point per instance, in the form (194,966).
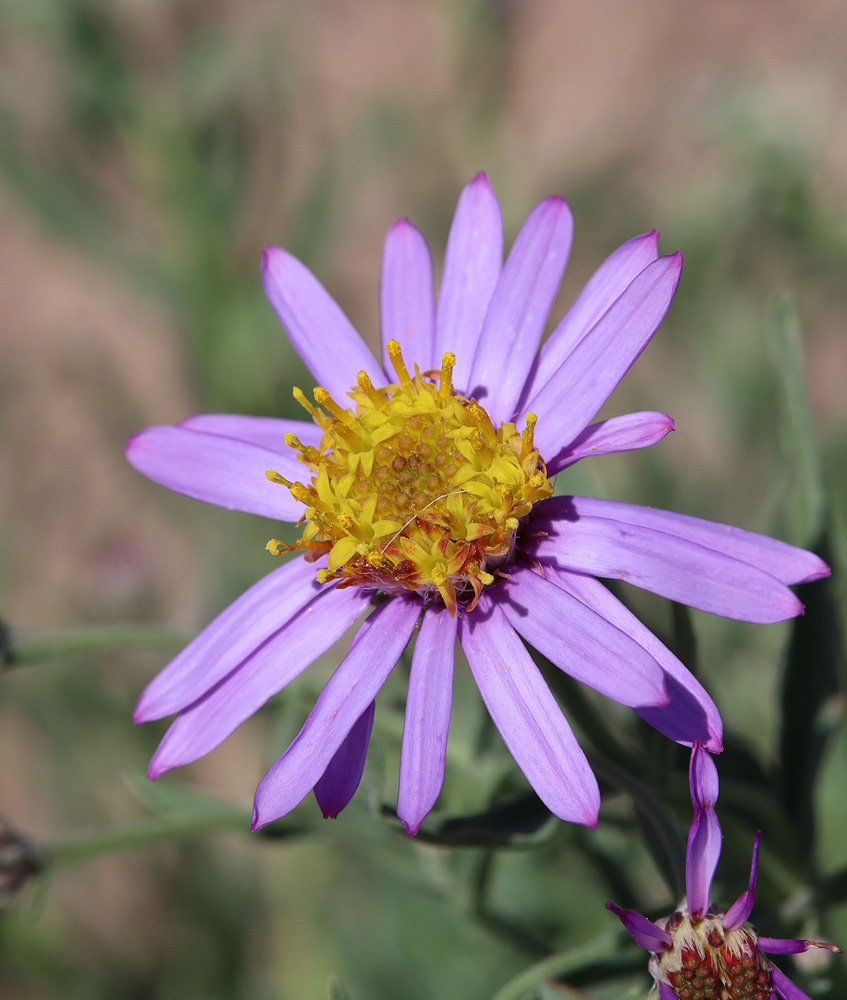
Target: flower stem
(22,646)
(89,844)
(562,963)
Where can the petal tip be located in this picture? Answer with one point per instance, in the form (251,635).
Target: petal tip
(820,572)
(591,818)
(136,442)
(155,770)
(273,260)
(256,823)
(556,205)
(267,254)
(410,827)
(480,179)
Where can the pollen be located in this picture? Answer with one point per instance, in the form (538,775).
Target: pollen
(413,488)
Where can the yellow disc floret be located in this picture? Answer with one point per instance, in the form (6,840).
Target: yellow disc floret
(413,488)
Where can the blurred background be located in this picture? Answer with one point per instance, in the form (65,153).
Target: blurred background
(149,150)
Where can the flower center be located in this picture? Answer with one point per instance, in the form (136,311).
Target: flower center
(413,488)
(707,962)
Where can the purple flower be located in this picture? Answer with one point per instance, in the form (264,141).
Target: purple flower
(701,950)
(423,487)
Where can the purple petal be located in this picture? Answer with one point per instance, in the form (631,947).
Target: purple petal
(703,779)
(778,559)
(690,715)
(646,934)
(319,331)
(667,992)
(353,686)
(786,946)
(428,704)
(607,283)
(407,297)
(519,307)
(219,470)
(472,266)
(233,636)
(669,565)
(526,714)
(207,722)
(266,432)
(739,912)
(784,987)
(582,642)
(704,836)
(590,373)
(338,784)
(626,433)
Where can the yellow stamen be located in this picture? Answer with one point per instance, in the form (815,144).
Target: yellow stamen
(377,399)
(275,477)
(309,454)
(396,355)
(526,437)
(328,403)
(448,363)
(316,415)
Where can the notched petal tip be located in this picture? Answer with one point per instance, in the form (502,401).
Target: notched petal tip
(820,571)
(140,442)
(410,827)
(256,823)
(555,204)
(131,443)
(154,771)
(401,224)
(270,256)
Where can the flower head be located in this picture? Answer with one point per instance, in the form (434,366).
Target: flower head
(702,952)
(423,486)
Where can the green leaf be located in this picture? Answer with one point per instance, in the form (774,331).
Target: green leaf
(805,489)
(335,989)
(810,686)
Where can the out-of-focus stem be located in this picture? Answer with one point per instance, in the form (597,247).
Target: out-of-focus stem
(92,843)
(23,647)
(560,964)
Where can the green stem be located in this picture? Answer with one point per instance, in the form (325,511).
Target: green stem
(24,647)
(563,963)
(92,843)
